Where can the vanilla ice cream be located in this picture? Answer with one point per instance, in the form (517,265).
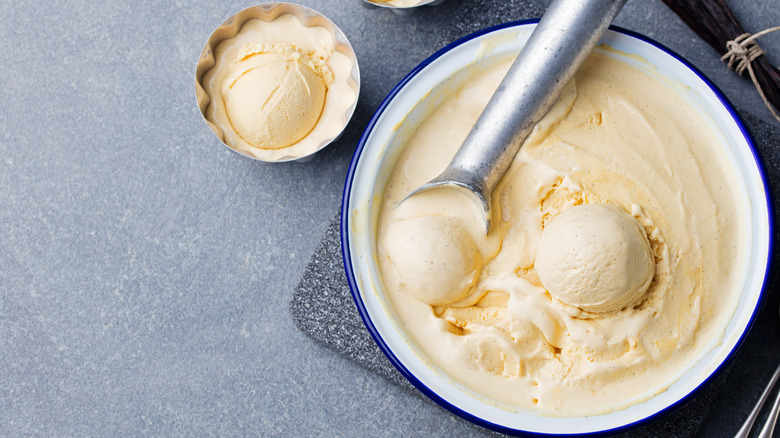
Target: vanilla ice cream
(279,89)
(275,93)
(436,259)
(595,257)
(614,257)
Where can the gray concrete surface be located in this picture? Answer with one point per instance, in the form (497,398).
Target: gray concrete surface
(145,270)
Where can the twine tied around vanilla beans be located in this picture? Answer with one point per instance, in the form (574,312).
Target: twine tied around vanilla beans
(716,24)
(742,51)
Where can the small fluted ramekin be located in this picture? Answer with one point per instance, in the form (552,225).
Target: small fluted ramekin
(269,12)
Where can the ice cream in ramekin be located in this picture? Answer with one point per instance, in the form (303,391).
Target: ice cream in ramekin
(277,82)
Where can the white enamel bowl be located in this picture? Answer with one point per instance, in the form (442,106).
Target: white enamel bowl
(396,119)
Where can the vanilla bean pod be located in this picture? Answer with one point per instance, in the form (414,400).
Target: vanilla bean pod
(714,22)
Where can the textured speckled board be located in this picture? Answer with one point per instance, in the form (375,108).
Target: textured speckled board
(323,308)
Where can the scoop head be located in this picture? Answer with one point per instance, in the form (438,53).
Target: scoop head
(463,184)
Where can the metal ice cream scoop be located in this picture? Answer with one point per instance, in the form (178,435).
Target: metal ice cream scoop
(562,40)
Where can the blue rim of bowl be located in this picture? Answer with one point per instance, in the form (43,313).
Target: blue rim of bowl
(345,249)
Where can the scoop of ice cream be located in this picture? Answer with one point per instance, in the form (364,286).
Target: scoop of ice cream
(435,258)
(273,98)
(595,257)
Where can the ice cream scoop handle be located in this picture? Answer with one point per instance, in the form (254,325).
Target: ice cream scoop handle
(744,431)
(771,420)
(564,37)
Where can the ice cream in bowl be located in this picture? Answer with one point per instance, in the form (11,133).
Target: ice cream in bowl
(400,5)
(277,82)
(625,261)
